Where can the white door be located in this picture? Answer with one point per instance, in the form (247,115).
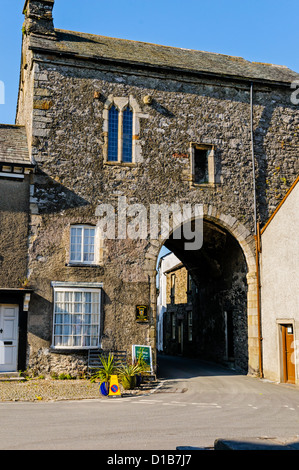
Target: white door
(8,337)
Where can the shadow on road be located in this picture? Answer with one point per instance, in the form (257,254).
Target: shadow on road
(177,367)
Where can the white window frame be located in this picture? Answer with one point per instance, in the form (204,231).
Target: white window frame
(76,328)
(96,255)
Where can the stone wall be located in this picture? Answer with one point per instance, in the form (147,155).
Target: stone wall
(181,286)
(14,196)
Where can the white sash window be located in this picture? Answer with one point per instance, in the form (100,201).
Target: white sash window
(77,315)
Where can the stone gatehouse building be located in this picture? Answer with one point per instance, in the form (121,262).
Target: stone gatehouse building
(120,127)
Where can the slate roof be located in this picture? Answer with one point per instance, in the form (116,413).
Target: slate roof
(13,145)
(164,57)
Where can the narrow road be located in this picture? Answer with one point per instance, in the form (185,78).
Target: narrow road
(195,404)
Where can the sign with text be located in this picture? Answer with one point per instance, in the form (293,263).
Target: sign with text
(145,352)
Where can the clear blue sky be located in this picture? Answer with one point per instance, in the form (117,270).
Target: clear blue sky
(257,30)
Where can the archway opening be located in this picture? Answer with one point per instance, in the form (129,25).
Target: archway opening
(202,299)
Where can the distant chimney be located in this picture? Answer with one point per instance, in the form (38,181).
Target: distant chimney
(38,17)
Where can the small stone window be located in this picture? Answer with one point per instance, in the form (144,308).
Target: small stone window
(202,164)
(121,130)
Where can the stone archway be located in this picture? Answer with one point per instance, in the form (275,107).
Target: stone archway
(246,242)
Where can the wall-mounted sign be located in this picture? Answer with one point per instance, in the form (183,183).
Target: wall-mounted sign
(180,155)
(145,352)
(141,313)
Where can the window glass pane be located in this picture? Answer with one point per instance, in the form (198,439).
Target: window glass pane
(76,243)
(113,134)
(127,135)
(57,340)
(88,250)
(77,341)
(201,172)
(58,330)
(58,319)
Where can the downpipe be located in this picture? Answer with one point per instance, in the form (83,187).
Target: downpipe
(257,236)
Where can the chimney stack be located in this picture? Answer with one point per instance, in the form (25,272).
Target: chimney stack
(38,17)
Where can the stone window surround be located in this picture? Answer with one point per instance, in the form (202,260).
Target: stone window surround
(212,178)
(121,103)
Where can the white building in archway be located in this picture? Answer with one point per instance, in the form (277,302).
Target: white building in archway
(166,262)
(280,290)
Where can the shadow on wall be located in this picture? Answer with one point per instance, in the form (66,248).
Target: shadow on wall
(54,197)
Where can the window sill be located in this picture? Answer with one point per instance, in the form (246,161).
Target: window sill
(64,350)
(128,164)
(203,185)
(83,265)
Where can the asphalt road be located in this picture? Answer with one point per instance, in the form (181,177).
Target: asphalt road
(195,404)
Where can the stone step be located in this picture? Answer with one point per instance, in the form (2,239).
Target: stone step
(10,377)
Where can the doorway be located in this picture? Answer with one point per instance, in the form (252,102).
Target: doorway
(8,337)
(288,356)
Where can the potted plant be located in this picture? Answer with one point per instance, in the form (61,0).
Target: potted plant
(104,374)
(24,282)
(127,374)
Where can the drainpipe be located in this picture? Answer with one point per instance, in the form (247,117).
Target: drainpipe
(256,236)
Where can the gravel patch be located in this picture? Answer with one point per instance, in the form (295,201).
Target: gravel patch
(52,390)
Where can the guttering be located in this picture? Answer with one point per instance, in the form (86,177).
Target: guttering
(252,156)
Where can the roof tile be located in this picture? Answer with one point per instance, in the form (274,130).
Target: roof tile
(13,144)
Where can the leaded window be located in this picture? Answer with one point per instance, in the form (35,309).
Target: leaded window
(127,135)
(113,121)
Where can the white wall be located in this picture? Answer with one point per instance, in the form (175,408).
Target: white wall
(166,262)
(280,282)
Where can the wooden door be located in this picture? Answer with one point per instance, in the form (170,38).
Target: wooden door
(288,353)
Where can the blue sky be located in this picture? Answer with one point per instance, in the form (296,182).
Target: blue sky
(257,30)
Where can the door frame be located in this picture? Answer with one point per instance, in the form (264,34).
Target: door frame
(15,306)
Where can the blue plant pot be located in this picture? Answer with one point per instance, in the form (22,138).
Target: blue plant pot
(104,388)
